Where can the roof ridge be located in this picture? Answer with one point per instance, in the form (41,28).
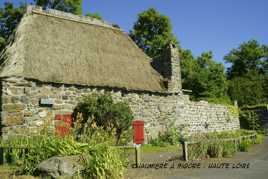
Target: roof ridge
(32,9)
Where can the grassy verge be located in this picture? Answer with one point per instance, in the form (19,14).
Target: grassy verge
(9,171)
(148,148)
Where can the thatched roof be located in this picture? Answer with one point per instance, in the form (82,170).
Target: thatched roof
(63,48)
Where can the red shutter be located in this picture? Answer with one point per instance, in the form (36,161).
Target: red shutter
(63,124)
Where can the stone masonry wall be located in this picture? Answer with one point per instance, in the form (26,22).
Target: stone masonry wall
(168,65)
(21,112)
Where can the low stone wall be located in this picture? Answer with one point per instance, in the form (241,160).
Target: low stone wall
(21,112)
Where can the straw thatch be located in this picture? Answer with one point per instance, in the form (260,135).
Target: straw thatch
(53,49)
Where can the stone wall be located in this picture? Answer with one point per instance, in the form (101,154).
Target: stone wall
(21,112)
(168,65)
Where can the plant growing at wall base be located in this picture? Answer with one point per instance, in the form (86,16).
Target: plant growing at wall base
(244,145)
(215,149)
(104,161)
(229,148)
(39,148)
(221,144)
(259,139)
(171,136)
(100,159)
(104,112)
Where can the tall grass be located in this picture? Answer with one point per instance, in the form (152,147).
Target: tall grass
(101,160)
(215,144)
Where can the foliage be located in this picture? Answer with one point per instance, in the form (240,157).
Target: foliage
(40,148)
(259,139)
(94,15)
(233,110)
(249,120)
(248,89)
(248,56)
(216,144)
(229,148)
(159,141)
(9,18)
(72,6)
(220,135)
(203,76)
(215,149)
(224,100)
(197,150)
(244,145)
(152,32)
(104,161)
(254,107)
(248,73)
(263,131)
(104,112)
(100,159)
(170,137)
(95,135)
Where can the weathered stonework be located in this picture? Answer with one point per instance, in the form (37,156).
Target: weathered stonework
(168,65)
(20,99)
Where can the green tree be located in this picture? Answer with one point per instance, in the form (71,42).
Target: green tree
(203,76)
(9,18)
(152,32)
(72,6)
(248,74)
(248,56)
(249,89)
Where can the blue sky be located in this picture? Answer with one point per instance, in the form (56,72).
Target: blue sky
(207,25)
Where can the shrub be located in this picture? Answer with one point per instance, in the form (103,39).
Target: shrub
(215,149)
(229,148)
(259,139)
(263,131)
(213,145)
(170,137)
(197,150)
(100,159)
(39,148)
(249,120)
(104,161)
(244,145)
(102,111)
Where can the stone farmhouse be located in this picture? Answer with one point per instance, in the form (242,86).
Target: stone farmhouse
(54,58)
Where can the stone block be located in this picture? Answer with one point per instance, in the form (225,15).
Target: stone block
(12,119)
(28,114)
(13,107)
